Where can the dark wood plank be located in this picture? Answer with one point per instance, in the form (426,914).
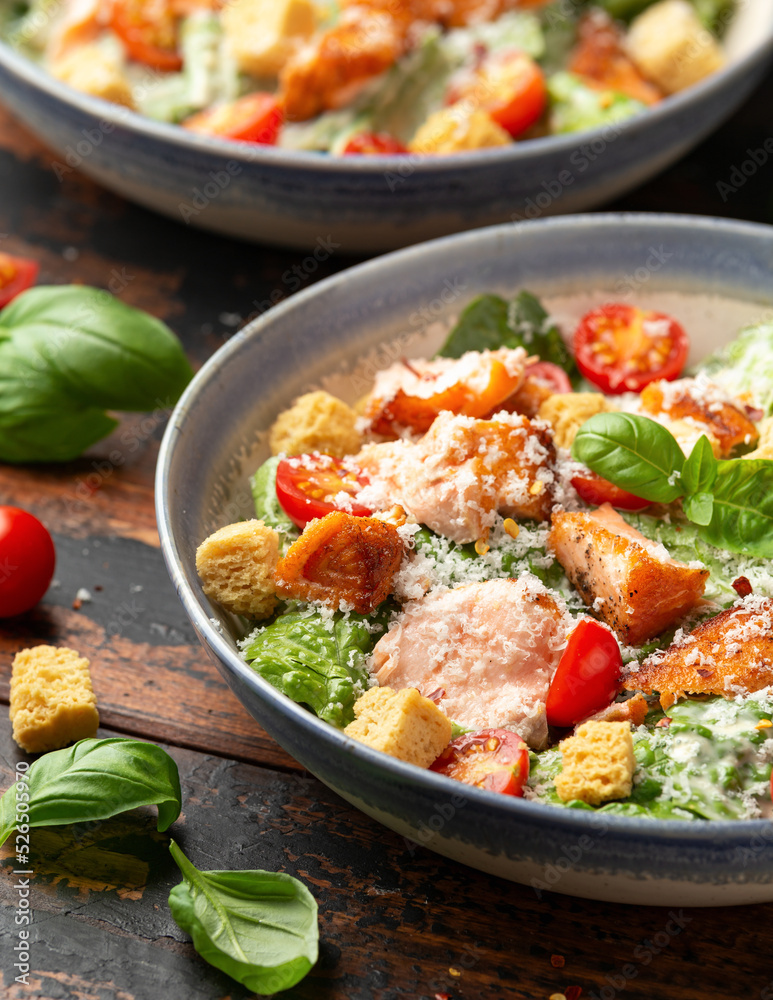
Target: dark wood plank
(394,920)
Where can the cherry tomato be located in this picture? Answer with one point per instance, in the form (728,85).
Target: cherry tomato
(307,485)
(555,377)
(148,29)
(27,560)
(253,118)
(16,275)
(587,677)
(373,143)
(509,86)
(597,490)
(622,349)
(495,759)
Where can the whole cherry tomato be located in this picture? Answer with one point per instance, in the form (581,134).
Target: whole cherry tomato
(16,275)
(27,560)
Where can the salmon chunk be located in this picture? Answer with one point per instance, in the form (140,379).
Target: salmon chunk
(703,404)
(463,471)
(409,395)
(341,559)
(630,582)
(485,652)
(729,654)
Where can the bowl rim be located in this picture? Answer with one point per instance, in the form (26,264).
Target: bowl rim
(716,833)
(245,153)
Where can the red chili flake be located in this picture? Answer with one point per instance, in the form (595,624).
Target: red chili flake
(701,672)
(77,604)
(442,996)
(663,723)
(557,961)
(437,695)
(742,587)
(573,992)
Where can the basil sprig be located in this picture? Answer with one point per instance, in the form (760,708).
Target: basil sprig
(259,927)
(93,780)
(731,500)
(68,354)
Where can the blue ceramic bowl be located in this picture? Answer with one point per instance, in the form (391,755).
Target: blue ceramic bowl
(373,203)
(714,275)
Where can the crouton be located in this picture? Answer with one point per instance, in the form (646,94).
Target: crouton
(341,558)
(95,71)
(401,723)
(454,130)
(729,654)
(236,565)
(598,763)
(704,408)
(566,412)
(315,422)
(764,447)
(670,46)
(628,580)
(52,701)
(263,34)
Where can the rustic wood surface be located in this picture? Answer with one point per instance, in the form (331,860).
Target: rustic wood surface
(394,922)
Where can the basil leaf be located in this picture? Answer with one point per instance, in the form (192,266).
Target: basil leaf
(699,508)
(483,326)
(69,353)
(489,322)
(317,660)
(742,519)
(267,506)
(634,453)
(700,469)
(259,927)
(95,779)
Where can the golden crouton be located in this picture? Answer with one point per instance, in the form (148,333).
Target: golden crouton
(52,701)
(670,46)
(93,70)
(236,565)
(566,412)
(765,444)
(453,130)
(263,34)
(316,422)
(401,723)
(598,763)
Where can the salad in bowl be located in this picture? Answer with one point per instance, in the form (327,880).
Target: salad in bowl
(376,76)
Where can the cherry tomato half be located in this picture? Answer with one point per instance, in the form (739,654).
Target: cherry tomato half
(253,118)
(373,144)
(495,759)
(596,490)
(509,86)
(16,275)
(554,376)
(622,349)
(587,677)
(27,560)
(307,486)
(148,29)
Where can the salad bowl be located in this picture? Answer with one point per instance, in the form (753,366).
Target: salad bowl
(372,203)
(713,275)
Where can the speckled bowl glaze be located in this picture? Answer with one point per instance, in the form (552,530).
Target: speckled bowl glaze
(373,203)
(715,275)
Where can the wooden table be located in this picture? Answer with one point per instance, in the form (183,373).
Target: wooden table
(394,923)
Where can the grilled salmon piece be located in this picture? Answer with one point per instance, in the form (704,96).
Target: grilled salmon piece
(485,652)
(602,60)
(339,559)
(730,654)
(630,582)
(701,402)
(409,395)
(464,470)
